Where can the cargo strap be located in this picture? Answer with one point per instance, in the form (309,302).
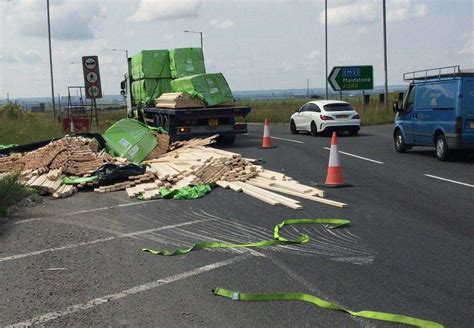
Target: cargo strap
(303,239)
(277,239)
(236,296)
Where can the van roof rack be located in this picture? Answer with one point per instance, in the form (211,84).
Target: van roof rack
(439,73)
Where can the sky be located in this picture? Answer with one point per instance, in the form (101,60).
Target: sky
(257,45)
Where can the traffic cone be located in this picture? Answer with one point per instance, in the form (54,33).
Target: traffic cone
(267,141)
(335,177)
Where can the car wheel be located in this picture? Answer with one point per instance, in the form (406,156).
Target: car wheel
(442,151)
(353,132)
(293,127)
(314,129)
(400,145)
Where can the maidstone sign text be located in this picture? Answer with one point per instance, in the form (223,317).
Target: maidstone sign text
(344,78)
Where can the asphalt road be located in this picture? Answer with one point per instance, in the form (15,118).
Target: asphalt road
(77,261)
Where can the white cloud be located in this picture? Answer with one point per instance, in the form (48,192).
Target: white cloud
(222,24)
(72,20)
(468,47)
(370,11)
(165,9)
(313,54)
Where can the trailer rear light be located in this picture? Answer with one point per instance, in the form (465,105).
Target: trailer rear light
(458,126)
(184,130)
(325,117)
(240,127)
(356,117)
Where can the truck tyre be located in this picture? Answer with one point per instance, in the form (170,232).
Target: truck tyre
(442,151)
(400,145)
(226,139)
(293,127)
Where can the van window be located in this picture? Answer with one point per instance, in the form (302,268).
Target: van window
(410,100)
(437,96)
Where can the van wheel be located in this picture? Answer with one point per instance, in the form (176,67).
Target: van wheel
(314,129)
(442,151)
(293,127)
(400,145)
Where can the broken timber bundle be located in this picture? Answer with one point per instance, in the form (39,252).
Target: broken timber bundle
(178,100)
(193,164)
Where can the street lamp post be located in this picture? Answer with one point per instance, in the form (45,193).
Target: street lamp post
(196,32)
(51,60)
(385,55)
(326,44)
(128,79)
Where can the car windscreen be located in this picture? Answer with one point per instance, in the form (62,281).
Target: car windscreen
(338,107)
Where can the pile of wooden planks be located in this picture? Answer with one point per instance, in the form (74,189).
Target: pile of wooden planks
(178,100)
(45,167)
(194,163)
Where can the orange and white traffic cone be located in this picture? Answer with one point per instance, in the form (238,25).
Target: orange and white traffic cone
(335,177)
(267,141)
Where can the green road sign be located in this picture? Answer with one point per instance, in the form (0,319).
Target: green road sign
(351,78)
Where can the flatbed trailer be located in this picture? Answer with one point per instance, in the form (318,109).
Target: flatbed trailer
(184,124)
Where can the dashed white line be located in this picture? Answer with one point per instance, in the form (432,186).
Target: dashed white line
(356,156)
(130,234)
(131,291)
(290,140)
(449,180)
(114,206)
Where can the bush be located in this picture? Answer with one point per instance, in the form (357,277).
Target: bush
(11,192)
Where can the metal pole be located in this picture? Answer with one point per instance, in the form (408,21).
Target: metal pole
(326,43)
(51,60)
(202,47)
(385,56)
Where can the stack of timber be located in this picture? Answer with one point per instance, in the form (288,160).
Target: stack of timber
(178,100)
(45,167)
(193,163)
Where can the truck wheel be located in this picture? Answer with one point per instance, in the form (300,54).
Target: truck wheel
(442,151)
(226,139)
(400,145)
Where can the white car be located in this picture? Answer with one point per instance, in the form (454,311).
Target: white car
(325,116)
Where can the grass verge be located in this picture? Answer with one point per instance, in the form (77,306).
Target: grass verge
(11,192)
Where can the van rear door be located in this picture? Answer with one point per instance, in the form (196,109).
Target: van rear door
(468,111)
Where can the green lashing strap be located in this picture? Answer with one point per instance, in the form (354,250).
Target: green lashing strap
(236,296)
(277,239)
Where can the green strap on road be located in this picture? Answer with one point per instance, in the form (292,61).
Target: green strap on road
(236,296)
(303,239)
(277,239)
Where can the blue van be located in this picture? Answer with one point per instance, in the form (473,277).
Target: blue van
(437,111)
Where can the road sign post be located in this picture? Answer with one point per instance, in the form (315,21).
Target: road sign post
(344,78)
(90,67)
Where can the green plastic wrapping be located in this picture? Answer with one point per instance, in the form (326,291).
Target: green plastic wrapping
(7,146)
(76,181)
(130,139)
(151,64)
(186,62)
(194,192)
(210,88)
(146,91)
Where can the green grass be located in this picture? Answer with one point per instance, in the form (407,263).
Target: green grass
(280,110)
(11,192)
(20,127)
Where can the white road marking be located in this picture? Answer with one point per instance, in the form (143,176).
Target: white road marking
(134,290)
(356,156)
(28,220)
(114,206)
(130,234)
(449,180)
(290,140)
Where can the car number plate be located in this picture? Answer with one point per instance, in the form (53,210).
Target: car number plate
(342,116)
(213,122)
(471,125)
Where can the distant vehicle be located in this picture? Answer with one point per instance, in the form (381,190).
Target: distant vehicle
(325,116)
(437,111)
